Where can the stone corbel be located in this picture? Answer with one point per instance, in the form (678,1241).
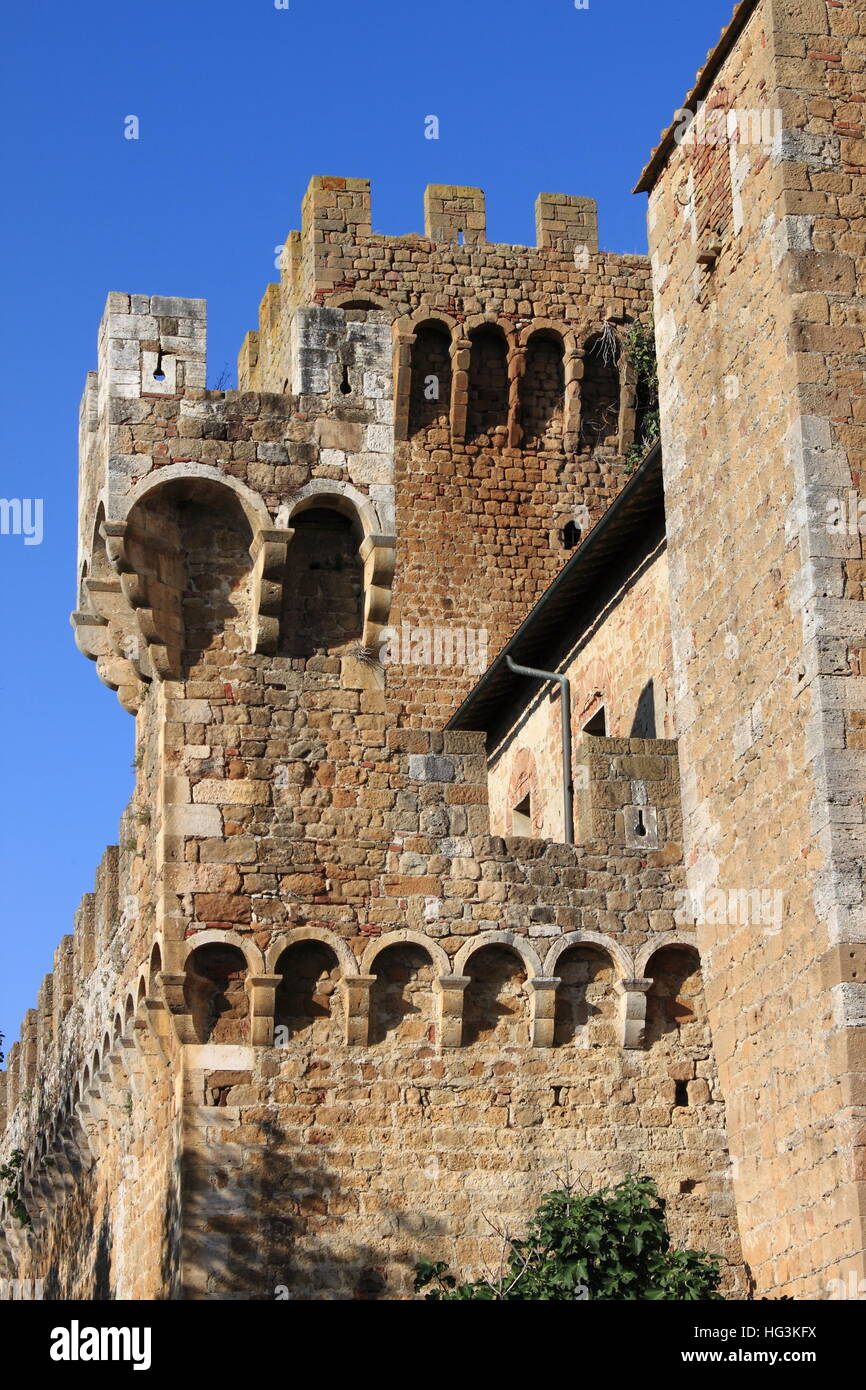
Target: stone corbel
(34,1198)
(516,373)
(164,647)
(80,1137)
(542,1003)
(159,1027)
(633,995)
(92,637)
(378,555)
(356,996)
(100,636)
(269,552)
(574,370)
(131,1065)
(88,1124)
(262,990)
(403,344)
(449,1031)
(177,1007)
(461,356)
(627,403)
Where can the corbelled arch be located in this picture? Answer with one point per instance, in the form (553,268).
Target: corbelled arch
(405,937)
(660,943)
(499,938)
(377,551)
(348,299)
(619,956)
(321,935)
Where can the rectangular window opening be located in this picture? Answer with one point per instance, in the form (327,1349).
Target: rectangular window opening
(597,724)
(521,819)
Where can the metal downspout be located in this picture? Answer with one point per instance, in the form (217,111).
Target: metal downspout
(565,692)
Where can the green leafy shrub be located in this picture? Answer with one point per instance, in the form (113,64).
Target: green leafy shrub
(611,1245)
(640,350)
(10,1176)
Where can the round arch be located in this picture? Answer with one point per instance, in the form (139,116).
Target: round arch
(323,937)
(254,509)
(499,938)
(438,957)
(223,937)
(619,957)
(349,299)
(661,943)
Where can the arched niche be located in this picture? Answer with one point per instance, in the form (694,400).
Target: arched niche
(587,1008)
(402,996)
(676,1010)
(215,993)
(308,999)
(323,592)
(495,1004)
(431,381)
(184,558)
(489,386)
(542,390)
(600,392)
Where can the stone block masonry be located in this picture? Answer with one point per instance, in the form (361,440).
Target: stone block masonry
(767,614)
(315,1021)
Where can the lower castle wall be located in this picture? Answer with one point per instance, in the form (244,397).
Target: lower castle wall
(377,1095)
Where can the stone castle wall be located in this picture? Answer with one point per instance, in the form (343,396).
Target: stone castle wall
(757,248)
(308,954)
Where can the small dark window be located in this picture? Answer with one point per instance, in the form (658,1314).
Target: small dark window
(597,724)
(521,818)
(570,535)
(682,1093)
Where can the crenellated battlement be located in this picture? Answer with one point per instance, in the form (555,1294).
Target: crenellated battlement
(338,260)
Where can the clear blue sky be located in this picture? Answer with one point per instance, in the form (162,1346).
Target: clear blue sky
(239,104)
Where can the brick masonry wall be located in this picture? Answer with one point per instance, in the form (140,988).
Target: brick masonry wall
(757,251)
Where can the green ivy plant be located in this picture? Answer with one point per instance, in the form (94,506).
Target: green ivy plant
(640,350)
(612,1245)
(10,1176)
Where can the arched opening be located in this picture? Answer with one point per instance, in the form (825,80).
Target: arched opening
(586,1006)
(215,993)
(675,1002)
(189,540)
(155,965)
(307,998)
(402,1004)
(599,411)
(495,1005)
(430,399)
(323,593)
(542,391)
(488,383)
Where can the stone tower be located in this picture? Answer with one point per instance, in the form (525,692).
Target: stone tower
(315,1021)
(757,241)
